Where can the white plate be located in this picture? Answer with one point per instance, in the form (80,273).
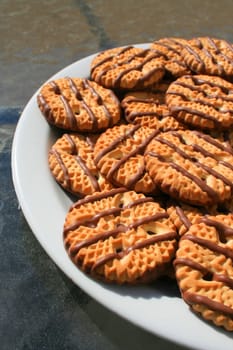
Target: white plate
(45,205)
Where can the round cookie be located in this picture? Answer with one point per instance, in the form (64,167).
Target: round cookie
(120,236)
(170,49)
(118,155)
(191,167)
(202,101)
(77,104)
(127,68)
(204,269)
(211,56)
(149,109)
(72,165)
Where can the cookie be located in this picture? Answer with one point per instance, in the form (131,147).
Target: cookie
(77,104)
(120,236)
(149,109)
(191,167)
(118,154)
(72,165)
(211,56)
(202,101)
(127,68)
(184,216)
(170,49)
(204,269)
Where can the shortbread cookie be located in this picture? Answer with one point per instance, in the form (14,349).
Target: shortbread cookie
(170,49)
(72,165)
(191,167)
(120,236)
(118,154)
(78,104)
(202,101)
(149,109)
(209,56)
(204,269)
(127,68)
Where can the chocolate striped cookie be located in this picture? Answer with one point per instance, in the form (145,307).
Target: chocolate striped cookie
(149,109)
(211,56)
(191,166)
(120,236)
(72,165)
(127,68)
(77,104)
(202,101)
(119,156)
(204,269)
(170,49)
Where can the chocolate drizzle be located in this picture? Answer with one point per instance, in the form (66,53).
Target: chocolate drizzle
(120,227)
(199,182)
(198,85)
(128,66)
(228,252)
(204,52)
(192,298)
(79,97)
(194,159)
(79,91)
(80,161)
(207,274)
(223,230)
(187,223)
(110,57)
(67,182)
(116,142)
(139,245)
(45,108)
(138,150)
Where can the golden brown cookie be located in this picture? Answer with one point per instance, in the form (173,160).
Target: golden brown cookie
(72,165)
(127,68)
(120,236)
(204,269)
(184,216)
(78,104)
(149,109)
(211,56)
(202,101)
(118,155)
(191,167)
(170,49)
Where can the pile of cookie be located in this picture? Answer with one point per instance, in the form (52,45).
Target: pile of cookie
(145,149)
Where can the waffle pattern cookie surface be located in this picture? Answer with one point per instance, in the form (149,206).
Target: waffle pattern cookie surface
(72,165)
(191,166)
(211,56)
(201,101)
(204,269)
(127,68)
(120,236)
(77,104)
(119,156)
(149,109)
(170,49)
